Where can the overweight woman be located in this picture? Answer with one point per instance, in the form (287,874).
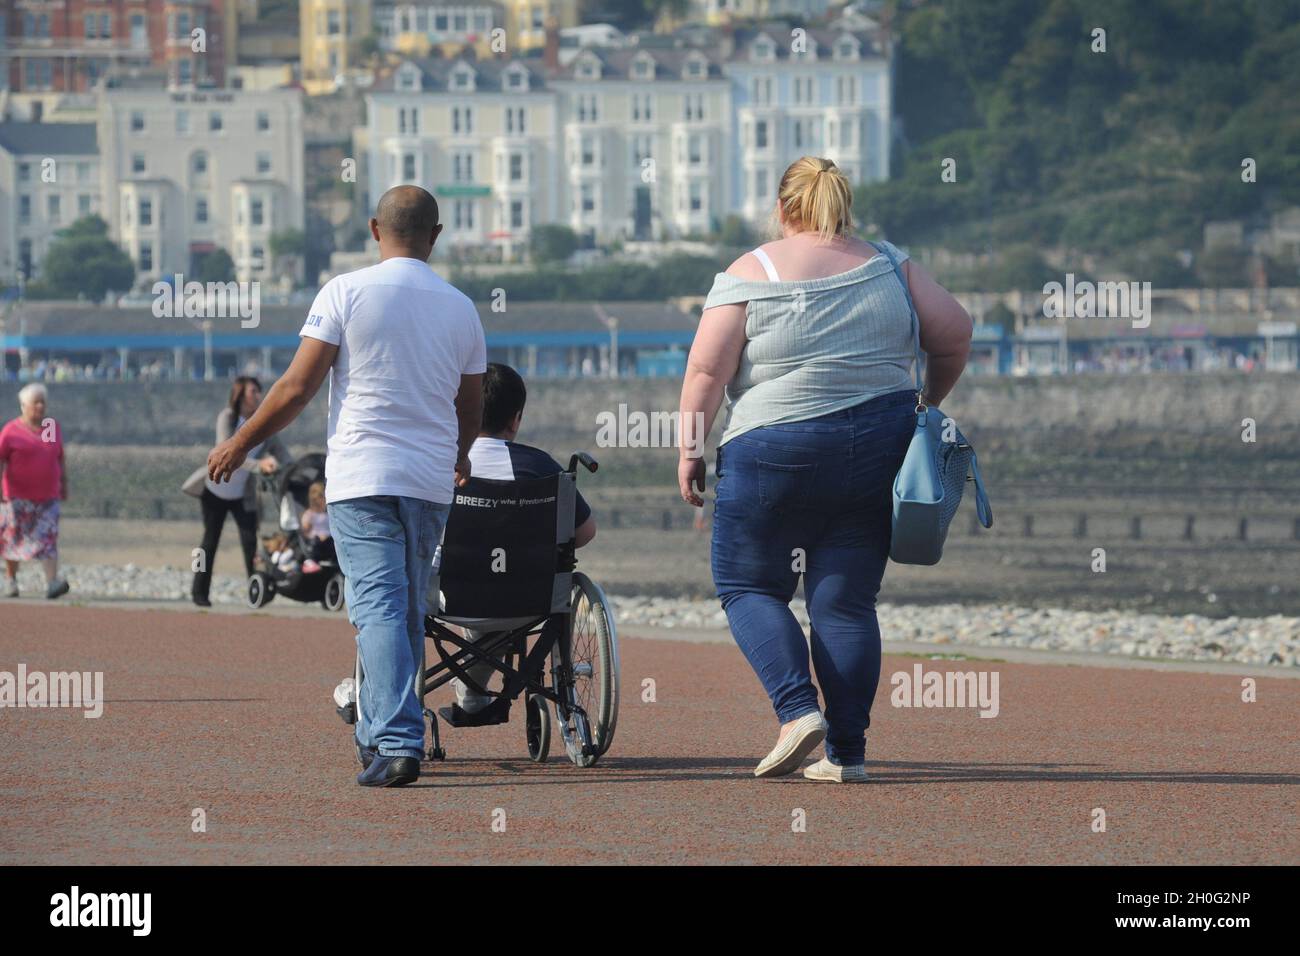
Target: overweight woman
(810,339)
(237,496)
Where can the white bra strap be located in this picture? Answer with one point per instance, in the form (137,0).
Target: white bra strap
(766,263)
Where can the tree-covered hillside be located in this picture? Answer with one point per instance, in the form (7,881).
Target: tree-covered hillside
(1120,155)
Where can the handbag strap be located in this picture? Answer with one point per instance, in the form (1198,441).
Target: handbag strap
(911,306)
(983,510)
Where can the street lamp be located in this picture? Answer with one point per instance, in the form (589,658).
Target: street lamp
(611,323)
(207,350)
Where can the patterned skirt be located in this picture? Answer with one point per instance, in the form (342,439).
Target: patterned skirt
(29,530)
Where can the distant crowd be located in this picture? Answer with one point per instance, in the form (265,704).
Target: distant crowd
(1216,360)
(61,370)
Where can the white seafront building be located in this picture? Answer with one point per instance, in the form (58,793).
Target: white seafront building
(643,134)
(184,173)
(49,178)
(479,134)
(828,95)
(647,140)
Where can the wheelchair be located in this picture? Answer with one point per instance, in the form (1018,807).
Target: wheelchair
(506,572)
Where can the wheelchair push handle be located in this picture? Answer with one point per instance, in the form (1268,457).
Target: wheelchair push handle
(586,460)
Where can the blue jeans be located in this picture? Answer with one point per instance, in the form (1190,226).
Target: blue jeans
(386,546)
(812,497)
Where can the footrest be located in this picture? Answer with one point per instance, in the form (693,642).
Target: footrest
(497,712)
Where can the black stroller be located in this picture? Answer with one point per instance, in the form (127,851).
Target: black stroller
(289,489)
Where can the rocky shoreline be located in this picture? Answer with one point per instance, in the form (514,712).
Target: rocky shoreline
(1273,640)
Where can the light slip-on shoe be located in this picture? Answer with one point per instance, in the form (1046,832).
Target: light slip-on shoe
(808,731)
(827,772)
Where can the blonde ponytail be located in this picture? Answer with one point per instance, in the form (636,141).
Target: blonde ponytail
(816,197)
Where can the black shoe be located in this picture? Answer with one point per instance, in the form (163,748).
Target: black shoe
(57,589)
(497,712)
(202,601)
(390,772)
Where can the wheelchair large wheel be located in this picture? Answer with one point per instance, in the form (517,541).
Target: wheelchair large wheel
(261,590)
(537,727)
(593,652)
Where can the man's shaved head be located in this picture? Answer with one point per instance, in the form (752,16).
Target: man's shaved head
(407,213)
(406,222)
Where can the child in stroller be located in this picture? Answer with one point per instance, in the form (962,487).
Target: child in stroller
(281,556)
(316,527)
(299,561)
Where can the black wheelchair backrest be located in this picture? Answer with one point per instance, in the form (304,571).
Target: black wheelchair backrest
(508,548)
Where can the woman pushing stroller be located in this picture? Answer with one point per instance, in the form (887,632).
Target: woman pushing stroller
(236,496)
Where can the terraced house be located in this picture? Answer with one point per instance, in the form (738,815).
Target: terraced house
(418,27)
(187,173)
(480,134)
(824,92)
(69,46)
(329,33)
(654,139)
(527,21)
(49,177)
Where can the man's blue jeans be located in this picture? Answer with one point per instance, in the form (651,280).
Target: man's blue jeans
(386,546)
(812,498)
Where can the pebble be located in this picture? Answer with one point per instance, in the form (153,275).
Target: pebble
(1273,640)
(130,582)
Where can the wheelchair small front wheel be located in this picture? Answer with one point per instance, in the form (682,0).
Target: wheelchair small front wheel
(332,599)
(537,727)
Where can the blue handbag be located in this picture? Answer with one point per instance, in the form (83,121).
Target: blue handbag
(938,464)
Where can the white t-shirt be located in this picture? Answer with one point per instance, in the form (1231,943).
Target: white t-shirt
(405,337)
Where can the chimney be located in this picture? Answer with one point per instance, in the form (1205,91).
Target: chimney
(551,52)
(727,37)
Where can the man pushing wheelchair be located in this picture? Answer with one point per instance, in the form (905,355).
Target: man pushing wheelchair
(405,354)
(508,613)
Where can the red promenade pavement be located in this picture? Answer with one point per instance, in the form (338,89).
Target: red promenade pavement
(232,714)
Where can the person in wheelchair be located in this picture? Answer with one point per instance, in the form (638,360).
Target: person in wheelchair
(495,454)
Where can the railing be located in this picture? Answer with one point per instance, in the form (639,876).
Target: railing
(1095,525)
(1164,526)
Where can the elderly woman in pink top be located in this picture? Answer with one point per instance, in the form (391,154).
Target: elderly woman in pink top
(32,483)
